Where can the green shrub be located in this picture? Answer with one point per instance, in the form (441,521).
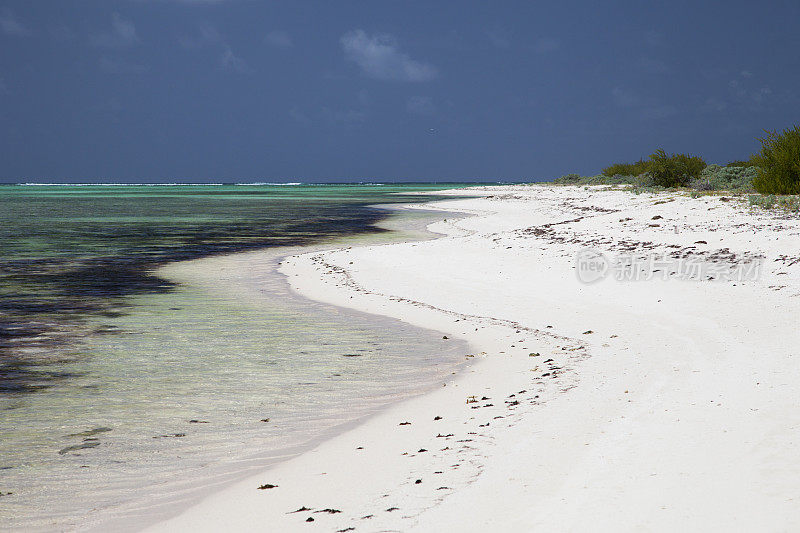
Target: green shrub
(779,163)
(674,170)
(645,181)
(568,179)
(769,201)
(792,203)
(626,169)
(727,178)
(600,179)
(616,179)
(740,164)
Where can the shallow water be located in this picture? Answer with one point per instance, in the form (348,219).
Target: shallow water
(186,385)
(67,252)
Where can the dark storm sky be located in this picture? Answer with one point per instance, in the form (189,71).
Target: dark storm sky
(248,90)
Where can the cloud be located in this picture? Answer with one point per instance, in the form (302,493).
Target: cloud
(62,32)
(122,33)
(208,36)
(744,95)
(231,61)
(546,45)
(108,107)
(647,108)
(658,111)
(378,57)
(737,90)
(714,104)
(115,66)
(349,118)
(654,38)
(652,66)
(421,105)
(299,116)
(762,93)
(278,39)
(625,98)
(9,25)
(499,37)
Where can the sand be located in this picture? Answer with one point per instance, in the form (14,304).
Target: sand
(657,404)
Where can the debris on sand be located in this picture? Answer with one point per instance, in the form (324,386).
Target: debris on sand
(89,433)
(68,449)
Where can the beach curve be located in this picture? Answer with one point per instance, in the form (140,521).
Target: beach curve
(653,389)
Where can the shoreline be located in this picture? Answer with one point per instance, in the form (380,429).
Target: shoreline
(221,273)
(493,332)
(651,395)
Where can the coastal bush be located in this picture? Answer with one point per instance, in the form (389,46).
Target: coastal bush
(674,170)
(615,179)
(760,200)
(792,203)
(626,169)
(770,201)
(740,164)
(779,163)
(568,179)
(645,181)
(600,179)
(727,178)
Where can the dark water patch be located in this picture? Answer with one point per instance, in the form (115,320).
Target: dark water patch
(10,333)
(30,350)
(99,278)
(21,377)
(71,253)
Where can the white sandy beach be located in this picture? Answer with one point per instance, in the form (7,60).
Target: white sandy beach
(652,405)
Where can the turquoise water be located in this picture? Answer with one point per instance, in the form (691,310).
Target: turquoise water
(115,378)
(71,251)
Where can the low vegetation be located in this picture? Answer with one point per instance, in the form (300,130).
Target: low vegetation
(774,172)
(600,179)
(626,169)
(778,163)
(727,178)
(674,170)
(740,164)
(660,170)
(771,201)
